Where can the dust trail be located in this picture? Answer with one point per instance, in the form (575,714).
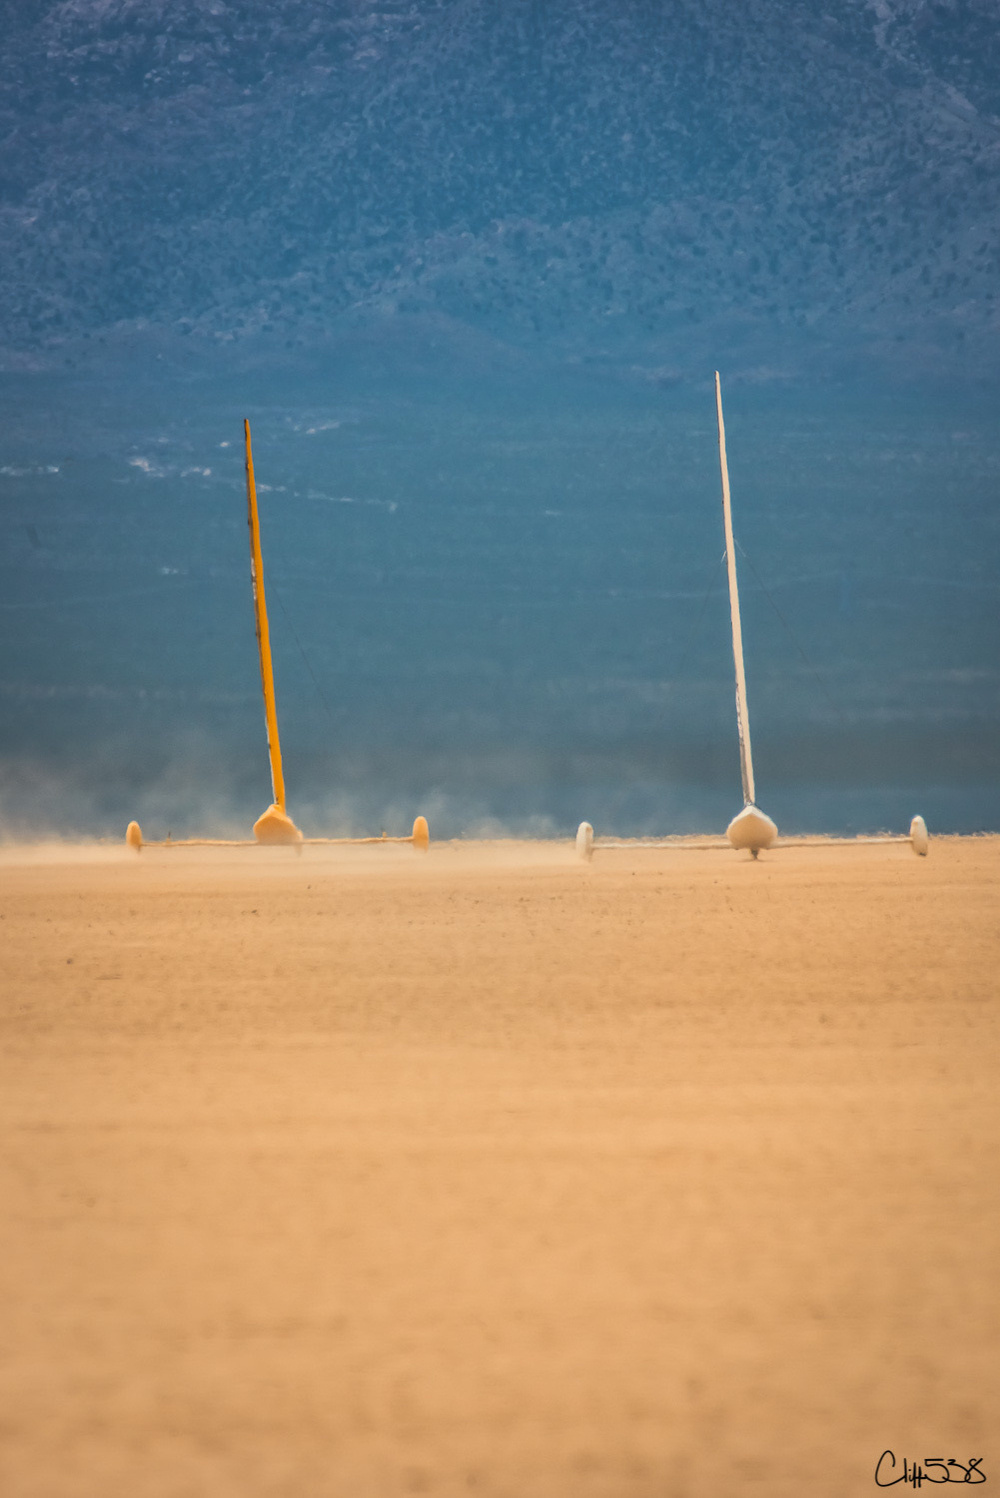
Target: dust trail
(51,854)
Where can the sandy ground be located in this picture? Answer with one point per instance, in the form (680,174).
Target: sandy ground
(359,1175)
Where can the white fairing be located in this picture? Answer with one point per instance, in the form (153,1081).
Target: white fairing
(919,837)
(751,829)
(585,841)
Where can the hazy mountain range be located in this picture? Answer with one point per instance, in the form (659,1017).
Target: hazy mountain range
(630,179)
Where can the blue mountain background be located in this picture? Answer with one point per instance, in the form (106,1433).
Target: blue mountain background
(468,269)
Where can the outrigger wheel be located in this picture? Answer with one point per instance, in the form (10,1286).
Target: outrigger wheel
(276,826)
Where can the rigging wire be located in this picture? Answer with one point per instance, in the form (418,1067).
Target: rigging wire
(305,659)
(694,636)
(813,670)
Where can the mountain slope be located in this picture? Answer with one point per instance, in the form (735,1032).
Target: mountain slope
(580,173)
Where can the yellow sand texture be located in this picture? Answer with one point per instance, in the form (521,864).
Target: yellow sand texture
(357,1174)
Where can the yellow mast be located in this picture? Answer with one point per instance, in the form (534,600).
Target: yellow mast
(275,825)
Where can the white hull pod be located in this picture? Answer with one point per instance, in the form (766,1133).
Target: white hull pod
(919,837)
(585,841)
(753,829)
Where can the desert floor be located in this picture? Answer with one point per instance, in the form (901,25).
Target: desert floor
(361,1174)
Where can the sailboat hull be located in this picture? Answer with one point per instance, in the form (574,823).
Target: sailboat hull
(752,829)
(276,826)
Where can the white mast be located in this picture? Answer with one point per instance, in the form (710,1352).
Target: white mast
(751,828)
(742,716)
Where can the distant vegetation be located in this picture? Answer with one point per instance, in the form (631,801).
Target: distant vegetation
(566,170)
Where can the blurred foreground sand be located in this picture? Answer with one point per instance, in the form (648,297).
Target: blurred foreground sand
(359,1175)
